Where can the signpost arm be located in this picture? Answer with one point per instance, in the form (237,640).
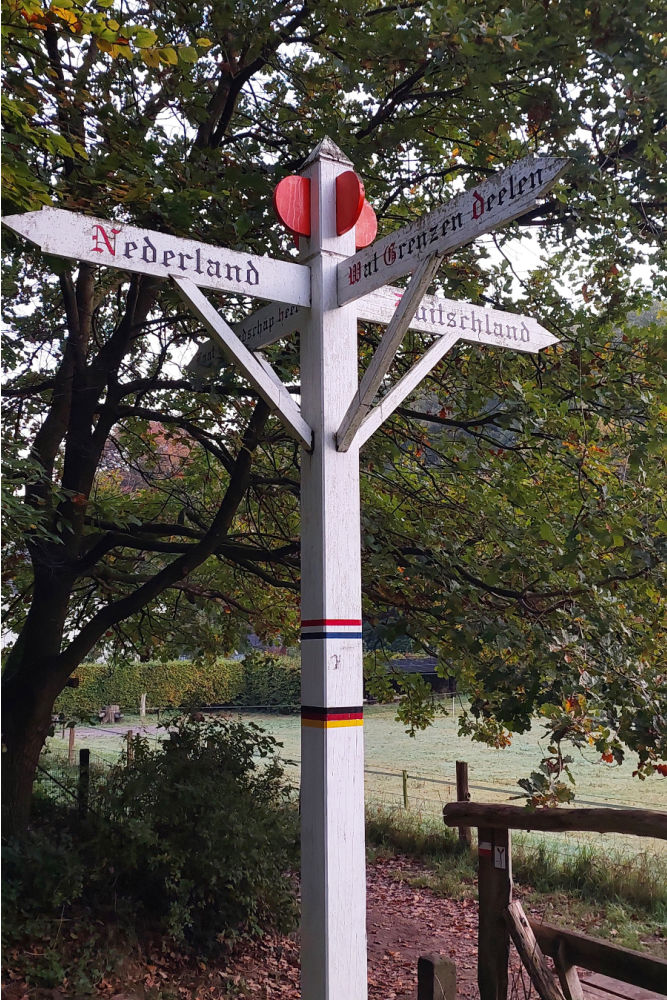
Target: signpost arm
(145,251)
(492,203)
(270,388)
(386,351)
(377,416)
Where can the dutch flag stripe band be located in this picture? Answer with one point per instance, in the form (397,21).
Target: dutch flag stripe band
(331,718)
(307,622)
(331,628)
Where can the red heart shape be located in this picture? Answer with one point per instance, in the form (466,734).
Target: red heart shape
(349,201)
(291,200)
(367,227)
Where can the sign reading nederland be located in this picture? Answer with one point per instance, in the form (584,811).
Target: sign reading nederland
(493,203)
(114,244)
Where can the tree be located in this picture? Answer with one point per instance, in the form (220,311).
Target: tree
(183,119)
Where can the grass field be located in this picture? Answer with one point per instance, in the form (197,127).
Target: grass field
(611,885)
(429,759)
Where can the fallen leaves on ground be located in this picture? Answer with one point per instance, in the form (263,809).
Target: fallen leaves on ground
(403,923)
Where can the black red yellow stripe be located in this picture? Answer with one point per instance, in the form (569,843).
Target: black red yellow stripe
(331,718)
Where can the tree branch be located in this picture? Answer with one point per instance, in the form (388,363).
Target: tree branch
(179,568)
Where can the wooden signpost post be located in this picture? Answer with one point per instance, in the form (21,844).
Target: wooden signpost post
(324,296)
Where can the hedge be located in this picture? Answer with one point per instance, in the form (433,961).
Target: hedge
(270,681)
(262,679)
(172,683)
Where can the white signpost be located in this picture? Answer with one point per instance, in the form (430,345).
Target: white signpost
(325,296)
(258,330)
(114,244)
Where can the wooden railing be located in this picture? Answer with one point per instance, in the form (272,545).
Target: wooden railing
(502,918)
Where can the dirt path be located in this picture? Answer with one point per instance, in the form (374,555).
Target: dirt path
(403,923)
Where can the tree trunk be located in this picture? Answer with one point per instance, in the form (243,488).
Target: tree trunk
(37,667)
(27,704)
(31,682)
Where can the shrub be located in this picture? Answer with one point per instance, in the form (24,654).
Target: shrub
(42,880)
(207,834)
(40,875)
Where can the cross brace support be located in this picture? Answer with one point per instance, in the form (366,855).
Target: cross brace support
(258,371)
(386,351)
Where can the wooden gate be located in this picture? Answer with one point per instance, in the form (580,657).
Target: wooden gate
(502,919)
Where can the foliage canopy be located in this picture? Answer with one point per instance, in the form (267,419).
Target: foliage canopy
(512,517)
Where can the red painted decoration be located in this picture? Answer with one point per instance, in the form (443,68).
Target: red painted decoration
(367,227)
(291,200)
(349,201)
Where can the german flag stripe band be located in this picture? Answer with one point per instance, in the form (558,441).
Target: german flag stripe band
(331,718)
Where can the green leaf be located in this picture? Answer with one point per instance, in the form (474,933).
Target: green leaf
(547,533)
(187,53)
(145,38)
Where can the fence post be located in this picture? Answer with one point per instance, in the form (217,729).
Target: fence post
(495,895)
(463,795)
(130,746)
(436,978)
(142,706)
(84,782)
(70,748)
(405,789)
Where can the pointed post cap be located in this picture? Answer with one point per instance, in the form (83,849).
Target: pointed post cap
(327,149)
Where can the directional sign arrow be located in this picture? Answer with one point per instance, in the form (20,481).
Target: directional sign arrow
(129,248)
(263,327)
(435,314)
(442,317)
(491,204)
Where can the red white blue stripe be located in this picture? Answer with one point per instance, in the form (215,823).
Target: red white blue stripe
(331,628)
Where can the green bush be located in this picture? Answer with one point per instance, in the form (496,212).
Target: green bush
(42,879)
(195,839)
(206,833)
(173,683)
(269,681)
(40,875)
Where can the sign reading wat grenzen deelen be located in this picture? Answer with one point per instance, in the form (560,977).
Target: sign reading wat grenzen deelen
(499,199)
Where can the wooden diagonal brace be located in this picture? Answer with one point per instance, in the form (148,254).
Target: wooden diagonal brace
(530,953)
(386,351)
(377,416)
(259,373)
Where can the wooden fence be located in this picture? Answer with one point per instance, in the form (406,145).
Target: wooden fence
(501,918)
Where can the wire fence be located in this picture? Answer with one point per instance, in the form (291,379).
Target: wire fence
(73,784)
(392,789)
